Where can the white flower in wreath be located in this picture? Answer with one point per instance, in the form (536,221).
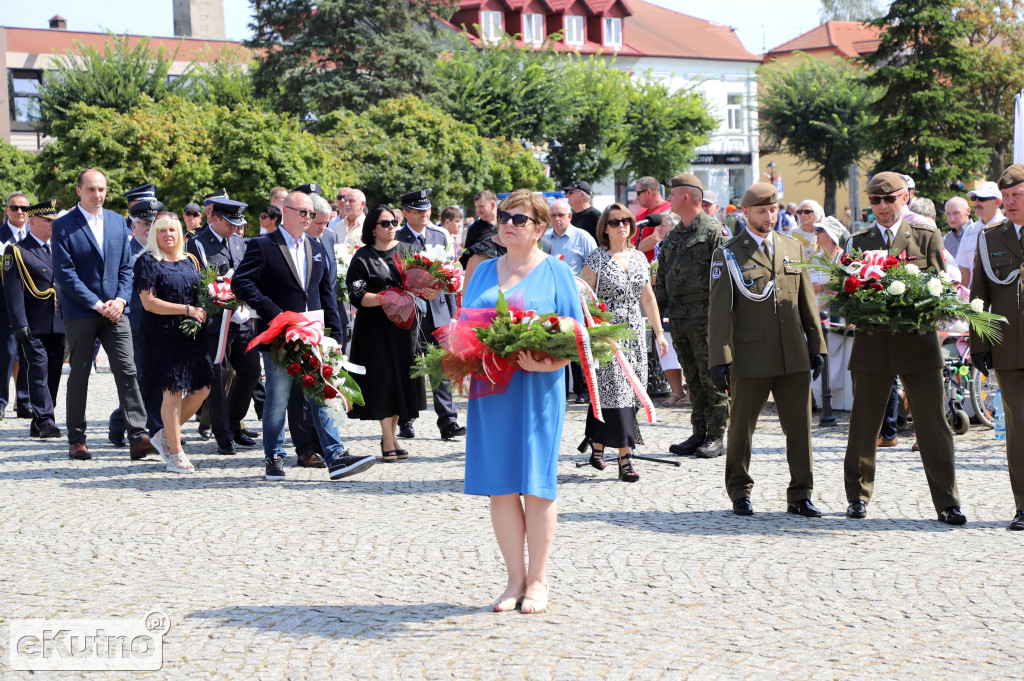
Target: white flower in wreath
(934,287)
(438,253)
(897,288)
(912,269)
(566,324)
(944,277)
(978,305)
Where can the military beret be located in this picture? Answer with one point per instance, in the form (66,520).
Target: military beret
(886,183)
(309,188)
(146,210)
(1012,176)
(417,200)
(46,209)
(581,185)
(760,194)
(146,191)
(687,180)
(216,194)
(232,211)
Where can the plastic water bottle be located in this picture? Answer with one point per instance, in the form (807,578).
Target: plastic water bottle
(1000,416)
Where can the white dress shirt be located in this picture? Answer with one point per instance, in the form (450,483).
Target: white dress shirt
(297,249)
(758,239)
(95,223)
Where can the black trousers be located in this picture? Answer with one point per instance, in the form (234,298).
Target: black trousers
(9,354)
(152,398)
(227,408)
(42,359)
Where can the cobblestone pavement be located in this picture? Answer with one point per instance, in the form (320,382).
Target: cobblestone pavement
(389,574)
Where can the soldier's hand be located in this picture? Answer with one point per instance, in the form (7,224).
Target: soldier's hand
(720,376)
(982,360)
(817,364)
(22,334)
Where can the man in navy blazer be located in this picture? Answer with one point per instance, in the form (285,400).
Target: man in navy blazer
(286,270)
(13,230)
(92,262)
(439,310)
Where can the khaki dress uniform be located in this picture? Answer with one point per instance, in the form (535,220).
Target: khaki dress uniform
(1000,254)
(878,356)
(768,344)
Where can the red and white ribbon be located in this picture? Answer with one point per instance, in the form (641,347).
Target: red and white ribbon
(222,337)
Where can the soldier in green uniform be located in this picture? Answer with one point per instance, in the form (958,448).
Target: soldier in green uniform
(879,355)
(999,282)
(682,291)
(765,336)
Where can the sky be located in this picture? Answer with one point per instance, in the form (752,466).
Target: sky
(760,24)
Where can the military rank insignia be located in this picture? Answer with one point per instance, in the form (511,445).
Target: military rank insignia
(8,262)
(716,271)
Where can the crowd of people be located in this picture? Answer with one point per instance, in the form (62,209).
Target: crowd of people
(730,311)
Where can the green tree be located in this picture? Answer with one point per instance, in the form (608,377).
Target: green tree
(927,123)
(818,111)
(17,168)
(405,144)
(324,55)
(663,129)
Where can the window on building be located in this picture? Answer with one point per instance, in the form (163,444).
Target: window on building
(734,112)
(23,94)
(491,25)
(737,181)
(533,28)
(613,31)
(573,29)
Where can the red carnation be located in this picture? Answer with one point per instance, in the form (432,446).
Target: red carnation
(876,286)
(294,368)
(602,307)
(851,284)
(308,381)
(329,392)
(328,371)
(845,259)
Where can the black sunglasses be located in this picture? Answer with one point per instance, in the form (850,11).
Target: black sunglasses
(517,220)
(805,211)
(388,223)
(890,199)
(17,209)
(303,213)
(619,222)
(191,213)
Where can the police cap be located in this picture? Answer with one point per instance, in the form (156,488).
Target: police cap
(232,211)
(417,200)
(216,194)
(310,188)
(146,191)
(146,210)
(46,209)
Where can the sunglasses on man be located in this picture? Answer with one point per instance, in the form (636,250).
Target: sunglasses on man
(888,199)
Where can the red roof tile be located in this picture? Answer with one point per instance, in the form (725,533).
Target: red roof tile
(845,38)
(658,32)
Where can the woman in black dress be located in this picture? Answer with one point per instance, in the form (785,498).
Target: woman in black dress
(166,279)
(385,350)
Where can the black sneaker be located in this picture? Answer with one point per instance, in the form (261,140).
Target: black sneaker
(275,469)
(344,466)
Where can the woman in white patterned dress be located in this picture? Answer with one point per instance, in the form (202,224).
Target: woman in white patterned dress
(621,277)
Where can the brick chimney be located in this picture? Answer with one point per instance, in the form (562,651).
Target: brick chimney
(58,23)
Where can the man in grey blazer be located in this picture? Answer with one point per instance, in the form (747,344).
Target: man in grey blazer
(92,268)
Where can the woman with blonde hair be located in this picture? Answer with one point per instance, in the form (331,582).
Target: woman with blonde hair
(178,364)
(513,437)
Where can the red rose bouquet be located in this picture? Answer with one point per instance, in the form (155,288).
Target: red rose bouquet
(434,267)
(301,346)
(877,290)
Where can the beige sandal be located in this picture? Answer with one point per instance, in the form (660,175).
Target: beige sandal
(178,463)
(673,400)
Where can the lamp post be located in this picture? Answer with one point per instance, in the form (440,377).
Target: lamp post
(771,171)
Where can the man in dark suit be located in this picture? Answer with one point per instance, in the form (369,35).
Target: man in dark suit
(879,355)
(219,247)
(440,309)
(92,260)
(142,214)
(486,205)
(13,230)
(287,271)
(31,301)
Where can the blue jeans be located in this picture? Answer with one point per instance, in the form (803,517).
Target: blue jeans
(892,412)
(275,408)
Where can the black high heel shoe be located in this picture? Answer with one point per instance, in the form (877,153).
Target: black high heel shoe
(627,473)
(597,458)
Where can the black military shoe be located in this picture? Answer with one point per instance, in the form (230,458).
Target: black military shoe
(1018,521)
(116,439)
(712,447)
(406,431)
(243,440)
(953,516)
(226,448)
(743,506)
(48,431)
(688,447)
(805,508)
(857,509)
(205,432)
(452,430)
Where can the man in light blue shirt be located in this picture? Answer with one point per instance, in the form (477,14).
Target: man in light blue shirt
(563,240)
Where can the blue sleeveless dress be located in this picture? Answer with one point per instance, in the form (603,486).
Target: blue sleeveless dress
(513,438)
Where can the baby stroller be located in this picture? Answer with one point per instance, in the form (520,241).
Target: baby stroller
(969,393)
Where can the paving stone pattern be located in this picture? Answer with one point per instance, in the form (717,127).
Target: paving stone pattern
(389,575)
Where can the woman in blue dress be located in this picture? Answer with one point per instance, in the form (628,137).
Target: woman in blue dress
(513,437)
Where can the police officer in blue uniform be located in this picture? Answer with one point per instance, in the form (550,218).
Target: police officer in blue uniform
(31,302)
(436,312)
(142,213)
(219,247)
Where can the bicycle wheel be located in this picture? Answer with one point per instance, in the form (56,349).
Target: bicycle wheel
(983,390)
